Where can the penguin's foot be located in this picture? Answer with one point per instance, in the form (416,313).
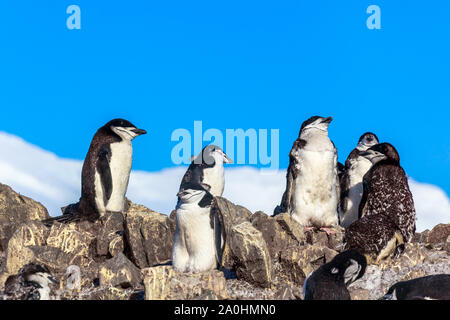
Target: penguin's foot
(309,228)
(328,230)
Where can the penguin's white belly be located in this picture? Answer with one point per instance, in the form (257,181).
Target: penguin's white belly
(315,198)
(120,164)
(194,248)
(214,177)
(358,169)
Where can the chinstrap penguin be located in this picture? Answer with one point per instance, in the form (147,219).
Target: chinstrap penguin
(199,235)
(33,282)
(106,169)
(356,166)
(386,211)
(311,195)
(434,287)
(207,170)
(330,281)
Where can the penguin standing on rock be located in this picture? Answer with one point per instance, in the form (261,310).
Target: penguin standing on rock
(31,283)
(356,166)
(207,170)
(330,281)
(199,235)
(311,195)
(386,211)
(106,169)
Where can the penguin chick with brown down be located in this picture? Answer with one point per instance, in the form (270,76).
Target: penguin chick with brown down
(311,195)
(356,166)
(106,170)
(386,212)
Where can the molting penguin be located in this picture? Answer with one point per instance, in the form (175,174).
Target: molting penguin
(435,287)
(311,195)
(106,169)
(330,281)
(386,211)
(207,170)
(356,166)
(199,235)
(31,283)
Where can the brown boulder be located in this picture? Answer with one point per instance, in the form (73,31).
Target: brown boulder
(149,236)
(18,253)
(251,255)
(16,209)
(438,235)
(164,283)
(229,215)
(119,271)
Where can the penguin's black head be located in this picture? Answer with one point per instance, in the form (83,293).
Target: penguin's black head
(124,129)
(381,151)
(330,281)
(316,122)
(349,266)
(37,274)
(195,193)
(367,140)
(213,154)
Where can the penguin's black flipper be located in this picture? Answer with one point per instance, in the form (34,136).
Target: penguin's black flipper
(104,170)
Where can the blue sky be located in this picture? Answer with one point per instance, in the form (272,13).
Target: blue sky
(258,64)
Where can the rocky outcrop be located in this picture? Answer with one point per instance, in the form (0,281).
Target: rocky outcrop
(164,283)
(416,261)
(149,236)
(15,210)
(127,256)
(119,272)
(251,255)
(229,215)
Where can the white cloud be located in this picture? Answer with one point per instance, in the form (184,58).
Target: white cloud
(55,182)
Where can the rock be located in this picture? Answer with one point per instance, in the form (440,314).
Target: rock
(71,241)
(119,271)
(359,294)
(279,232)
(229,215)
(149,236)
(251,255)
(164,283)
(18,254)
(112,227)
(276,239)
(16,209)
(287,292)
(298,262)
(291,227)
(416,261)
(438,235)
(447,245)
(421,237)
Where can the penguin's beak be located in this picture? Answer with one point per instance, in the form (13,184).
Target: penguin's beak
(53,279)
(227,159)
(139,132)
(327,120)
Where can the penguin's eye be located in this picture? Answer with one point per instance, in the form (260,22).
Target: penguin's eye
(334,270)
